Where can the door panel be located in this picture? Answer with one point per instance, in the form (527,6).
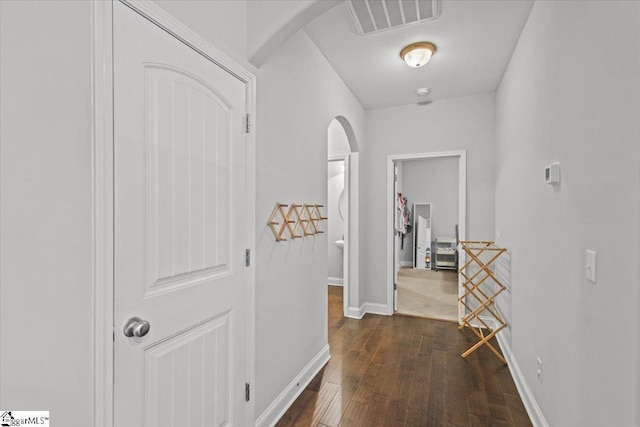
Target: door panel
(180,219)
(188,181)
(188,374)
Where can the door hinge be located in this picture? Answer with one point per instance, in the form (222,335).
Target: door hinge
(248,123)
(247,257)
(395,286)
(247,392)
(395,178)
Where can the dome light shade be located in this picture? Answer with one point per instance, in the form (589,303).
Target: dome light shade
(418,54)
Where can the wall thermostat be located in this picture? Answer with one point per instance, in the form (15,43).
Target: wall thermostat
(552,174)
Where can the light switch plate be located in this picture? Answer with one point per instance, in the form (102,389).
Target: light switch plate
(591,266)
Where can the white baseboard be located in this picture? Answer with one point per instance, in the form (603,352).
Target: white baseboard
(367,307)
(355,312)
(337,281)
(406,263)
(490,321)
(374,308)
(529,401)
(277,409)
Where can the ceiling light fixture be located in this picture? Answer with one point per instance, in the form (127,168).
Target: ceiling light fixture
(418,54)
(423,91)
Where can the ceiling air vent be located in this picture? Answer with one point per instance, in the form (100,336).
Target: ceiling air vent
(372,16)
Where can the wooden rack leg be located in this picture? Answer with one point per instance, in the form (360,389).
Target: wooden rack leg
(485,298)
(485,341)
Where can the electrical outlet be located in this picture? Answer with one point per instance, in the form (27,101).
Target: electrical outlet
(539,369)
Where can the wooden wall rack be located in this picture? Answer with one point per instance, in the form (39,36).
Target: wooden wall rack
(478,277)
(306,217)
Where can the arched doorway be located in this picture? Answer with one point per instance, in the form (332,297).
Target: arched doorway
(342,208)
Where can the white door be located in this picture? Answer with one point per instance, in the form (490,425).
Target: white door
(180,219)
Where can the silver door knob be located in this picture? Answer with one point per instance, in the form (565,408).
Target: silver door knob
(136,327)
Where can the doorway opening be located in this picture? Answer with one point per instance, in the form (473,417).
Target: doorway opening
(427,219)
(342,211)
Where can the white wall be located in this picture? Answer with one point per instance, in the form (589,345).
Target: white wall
(223,23)
(455,124)
(272,22)
(571,94)
(335,224)
(299,94)
(338,142)
(46,278)
(432,181)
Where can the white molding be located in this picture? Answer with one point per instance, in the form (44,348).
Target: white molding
(355,312)
(102,195)
(367,307)
(489,321)
(348,225)
(352,237)
(350,262)
(462,219)
(285,399)
(529,401)
(406,264)
(434,155)
(462,224)
(338,158)
(375,308)
(177,29)
(251,106)
(335,281)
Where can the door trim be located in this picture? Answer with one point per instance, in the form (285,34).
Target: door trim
(102,158)
(353,235)
(350,266)
(462,213)
(346,283)
(103,191)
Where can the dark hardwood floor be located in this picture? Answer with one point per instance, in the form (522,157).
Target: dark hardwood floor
(405,371)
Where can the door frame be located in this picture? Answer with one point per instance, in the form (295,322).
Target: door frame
(103,191)
(462,215)
(350,267)
(345,250)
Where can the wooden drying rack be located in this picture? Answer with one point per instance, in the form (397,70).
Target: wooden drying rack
(473,281)
(306,217)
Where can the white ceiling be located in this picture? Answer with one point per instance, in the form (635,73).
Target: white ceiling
(475,39)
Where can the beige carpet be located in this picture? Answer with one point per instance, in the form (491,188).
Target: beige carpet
(428,293)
